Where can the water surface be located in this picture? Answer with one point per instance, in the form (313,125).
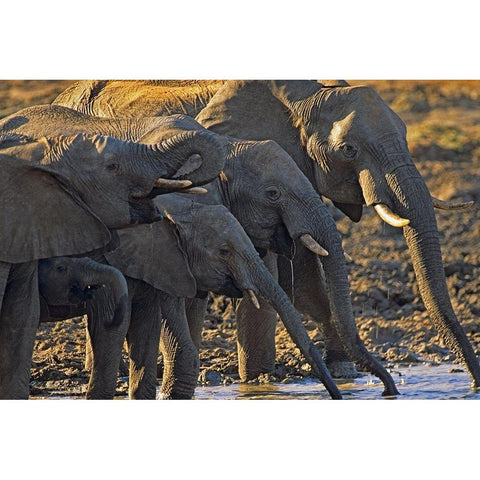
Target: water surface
(420,381)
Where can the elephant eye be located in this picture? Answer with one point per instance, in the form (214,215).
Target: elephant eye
(224,252)
(61,268)
(348,150)
(273,193)
(114,167)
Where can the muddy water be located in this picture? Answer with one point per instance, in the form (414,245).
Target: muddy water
(444,381)
(419,381)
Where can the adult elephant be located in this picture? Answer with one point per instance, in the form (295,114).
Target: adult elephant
(62,197)
(72,287)
(195,249)
(353,149)
(274,202)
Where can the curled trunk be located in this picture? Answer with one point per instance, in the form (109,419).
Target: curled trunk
(197,156)
(100,275)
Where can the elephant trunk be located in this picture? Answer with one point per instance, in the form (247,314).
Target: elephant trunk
(413,201)
(323,229)
(268,288)
(196,156)
(98,275)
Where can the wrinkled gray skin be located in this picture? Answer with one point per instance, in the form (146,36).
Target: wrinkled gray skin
(61,196)
(197,249)
(273,201)
(218,256)
(71,287)
(353,149)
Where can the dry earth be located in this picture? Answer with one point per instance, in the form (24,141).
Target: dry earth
(443,120)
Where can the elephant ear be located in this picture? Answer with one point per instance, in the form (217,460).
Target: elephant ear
(41,216)
(153,253)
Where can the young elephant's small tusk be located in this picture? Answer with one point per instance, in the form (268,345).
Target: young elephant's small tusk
(348,258)
(389,217)
(195,190)
(312,245)
(169,184)
(443,205)
(254,299)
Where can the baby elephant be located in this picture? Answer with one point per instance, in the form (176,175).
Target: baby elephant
(71,287)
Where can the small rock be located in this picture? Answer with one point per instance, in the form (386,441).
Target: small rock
(210,377)
(455,370)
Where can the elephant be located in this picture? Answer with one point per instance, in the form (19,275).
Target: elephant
(275,204)
(138,98)
(196,248)
(352,147)
(62,196)
(71,287)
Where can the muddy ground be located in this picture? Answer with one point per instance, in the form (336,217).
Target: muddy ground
(443,120)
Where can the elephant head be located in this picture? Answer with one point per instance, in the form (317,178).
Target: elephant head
(93,184)
(70,282)
(204,248)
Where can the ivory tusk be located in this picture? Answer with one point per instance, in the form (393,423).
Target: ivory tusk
(169,184)
(348,258)
(443,205)
(312,245)
(195,190)
(253,299)
(389,217)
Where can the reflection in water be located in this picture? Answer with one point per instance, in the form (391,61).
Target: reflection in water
(414,382)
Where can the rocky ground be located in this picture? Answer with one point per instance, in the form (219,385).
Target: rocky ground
(443,120)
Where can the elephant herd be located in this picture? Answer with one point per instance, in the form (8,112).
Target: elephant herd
(97,217)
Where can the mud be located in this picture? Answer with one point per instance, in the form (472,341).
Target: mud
(443,121)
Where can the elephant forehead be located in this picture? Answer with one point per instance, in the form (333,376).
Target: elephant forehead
(219,221)
(260,157)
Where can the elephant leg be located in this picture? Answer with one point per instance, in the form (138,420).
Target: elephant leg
(180,355)
(19,318)
(196,309)
(104,346)
(142,339)
(122,370)
(310,297)
(256,333)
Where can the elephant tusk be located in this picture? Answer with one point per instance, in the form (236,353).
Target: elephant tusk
(389,217)
(169,184)
(195,190)
(443,205)
(312,245)
(348,258)
(254,299)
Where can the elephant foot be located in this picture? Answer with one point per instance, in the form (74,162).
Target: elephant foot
(343,369)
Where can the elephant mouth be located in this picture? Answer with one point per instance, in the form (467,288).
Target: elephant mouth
(78,295)
(229,288)
(143,210)
(282,242)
